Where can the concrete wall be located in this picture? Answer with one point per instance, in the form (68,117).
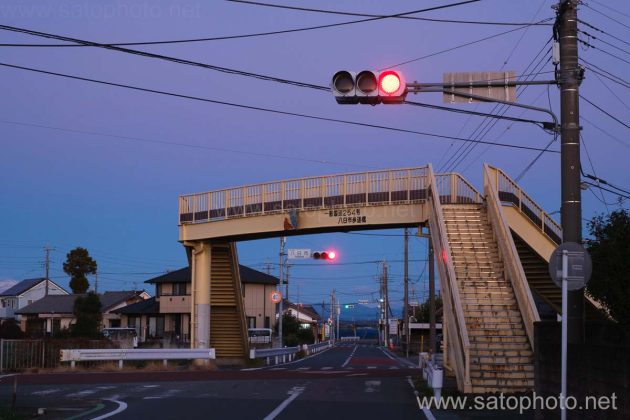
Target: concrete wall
(600,367)
(258,304)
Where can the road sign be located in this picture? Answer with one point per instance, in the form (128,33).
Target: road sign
(362,301)
(299,254)
(275,296)
(579,266)
(476,81)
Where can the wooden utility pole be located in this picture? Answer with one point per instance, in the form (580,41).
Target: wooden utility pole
(47,250)
(569,77)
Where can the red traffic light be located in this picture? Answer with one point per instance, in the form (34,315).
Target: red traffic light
(324,255)
(391,86)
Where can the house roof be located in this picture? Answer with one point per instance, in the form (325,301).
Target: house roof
(64,304)
(147,306)
(307,310)
(24,285)
(248,276)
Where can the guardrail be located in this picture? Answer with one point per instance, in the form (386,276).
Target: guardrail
(287,354)
(353,338)
(408,185)
(510,192)
(454,189)
(510,256)
(82,355)
(457,333)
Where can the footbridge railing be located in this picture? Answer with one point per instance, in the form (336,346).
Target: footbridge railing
(509,192)
(454,189)
(510,256)
(397,186)
(458,343)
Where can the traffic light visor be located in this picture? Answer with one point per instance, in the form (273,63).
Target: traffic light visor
(366,82)
(343,82)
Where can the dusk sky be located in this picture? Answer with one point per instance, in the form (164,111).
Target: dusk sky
(102,167)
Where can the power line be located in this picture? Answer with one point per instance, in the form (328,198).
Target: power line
(610,8)
(187,145)
(606,112)
(623,143)
(603,32)
(412,60)
(588,44)
(606,16)
(228,37)
(608,77)
(607,190)
(261,109)
(618,78)
(335,12)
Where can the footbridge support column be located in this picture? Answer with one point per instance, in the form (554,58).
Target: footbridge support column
(201,260)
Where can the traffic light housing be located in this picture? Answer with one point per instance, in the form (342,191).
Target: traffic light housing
(324,255)
(369,87)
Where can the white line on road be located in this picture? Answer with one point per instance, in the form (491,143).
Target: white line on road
(295,392)
(349,357)
(425,410)
(327,368)
(121,407)
(387,353)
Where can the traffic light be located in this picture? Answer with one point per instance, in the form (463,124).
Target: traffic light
(369,87)
(324,255)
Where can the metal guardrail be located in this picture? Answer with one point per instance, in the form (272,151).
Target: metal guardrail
(82,355)
(408,185)
(287,354)
(353,338)
(510,192)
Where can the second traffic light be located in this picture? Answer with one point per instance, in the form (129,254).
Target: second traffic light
(324,255)
(369,87)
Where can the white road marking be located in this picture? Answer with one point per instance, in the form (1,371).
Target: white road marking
(387,353)
(113,387)
(357,374)
(349,357)
(150,386)
(121,407)
(371,367)
(295,392)
(303,368)
(258,368)
(278,368)
(327,368)
(372,386)
(45,392)
(425,410)
(81,393)
(7,376)
(394,368)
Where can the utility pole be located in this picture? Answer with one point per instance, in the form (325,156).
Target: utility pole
(386,304)
(47,250)
(332,316)
(406,305)
(96,283)
(297,304)
(432,343)
(286,281)
(280,306)
(569,78)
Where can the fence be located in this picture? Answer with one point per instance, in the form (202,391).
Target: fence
(121,355)
(287,354)
(19,355)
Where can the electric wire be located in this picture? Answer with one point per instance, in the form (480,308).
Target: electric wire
(335,12)
(228,37)
(261,109)
(605,15)
(605,112)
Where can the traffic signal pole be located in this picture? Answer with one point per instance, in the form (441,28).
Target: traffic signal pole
(406,306)
(280,305)
(571,209)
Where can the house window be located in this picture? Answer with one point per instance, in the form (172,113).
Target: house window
(179,289)
(251,322)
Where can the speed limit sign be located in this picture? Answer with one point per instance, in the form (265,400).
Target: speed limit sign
(275,296)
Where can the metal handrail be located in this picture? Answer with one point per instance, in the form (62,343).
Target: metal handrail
(524,203)
(510,257)
(441,244)
(330,191)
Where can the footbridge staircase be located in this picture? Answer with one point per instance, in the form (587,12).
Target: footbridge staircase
(492,248)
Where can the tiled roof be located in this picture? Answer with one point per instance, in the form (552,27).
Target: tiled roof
(248,276)
(147,306)
(64,304)
(21,287)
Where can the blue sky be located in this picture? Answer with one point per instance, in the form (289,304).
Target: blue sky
(82,164)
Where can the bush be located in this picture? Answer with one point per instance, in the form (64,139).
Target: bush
(9,329)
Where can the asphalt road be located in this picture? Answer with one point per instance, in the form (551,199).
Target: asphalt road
(348,381)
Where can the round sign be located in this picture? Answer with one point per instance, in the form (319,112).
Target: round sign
(275,296)
(579,267)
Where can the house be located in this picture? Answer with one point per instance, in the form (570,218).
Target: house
(24,293)
(305,314)
(166,317)
(53,313)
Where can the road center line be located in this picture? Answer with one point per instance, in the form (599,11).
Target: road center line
(425,410)
(295,392)
(121,407)
(349,357)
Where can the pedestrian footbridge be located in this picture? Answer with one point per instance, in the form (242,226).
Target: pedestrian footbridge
(493,247)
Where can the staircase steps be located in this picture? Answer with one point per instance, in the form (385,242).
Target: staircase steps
(500,353)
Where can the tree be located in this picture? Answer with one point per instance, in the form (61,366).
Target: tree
(293,333)
(78,264)
(610,252)
(9,329)
(422,313)
(87,310)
